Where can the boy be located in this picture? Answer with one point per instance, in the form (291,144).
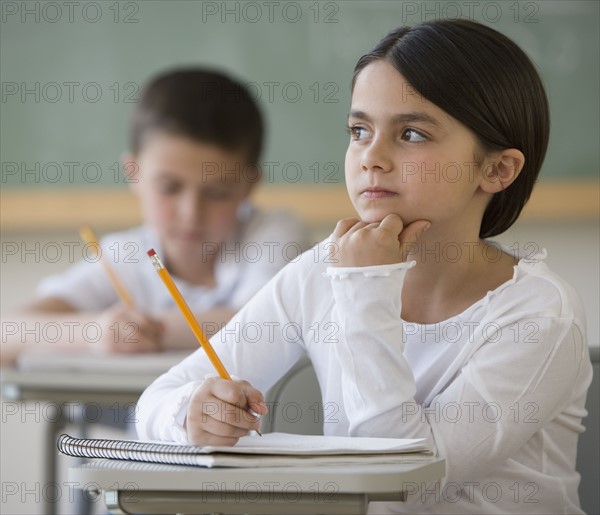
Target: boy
(196,139)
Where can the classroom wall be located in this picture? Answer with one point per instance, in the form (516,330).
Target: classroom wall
(71,77)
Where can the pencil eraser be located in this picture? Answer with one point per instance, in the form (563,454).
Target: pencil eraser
(151,253)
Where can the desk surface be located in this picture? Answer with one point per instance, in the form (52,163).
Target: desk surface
(134,487)
(63,377)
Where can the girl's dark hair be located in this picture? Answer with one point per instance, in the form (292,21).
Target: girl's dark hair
(485,81)
(203,105)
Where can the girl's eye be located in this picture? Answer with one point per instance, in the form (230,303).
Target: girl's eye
(413,136)
(357,132)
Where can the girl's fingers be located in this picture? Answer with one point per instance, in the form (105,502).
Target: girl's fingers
(343,226)
(219,411)
(392,223)
(229,404)
(410,235)
(414,231)
(255,400)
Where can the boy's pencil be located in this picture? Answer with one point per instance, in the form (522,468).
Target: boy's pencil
(87,235)
(189,316)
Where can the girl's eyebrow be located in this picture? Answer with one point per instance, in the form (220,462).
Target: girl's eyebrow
(415,116)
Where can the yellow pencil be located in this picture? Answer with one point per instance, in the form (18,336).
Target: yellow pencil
(87,235)
(187,313)
(189,317)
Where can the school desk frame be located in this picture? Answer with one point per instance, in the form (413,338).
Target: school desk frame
(150,489)
(61,388)
(62,379)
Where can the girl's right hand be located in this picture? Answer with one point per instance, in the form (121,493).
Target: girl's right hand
(219,412)
(127,330)
(358,243)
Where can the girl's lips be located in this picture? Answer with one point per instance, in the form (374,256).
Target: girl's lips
(375,193)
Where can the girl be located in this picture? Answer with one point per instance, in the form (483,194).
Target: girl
(417,325)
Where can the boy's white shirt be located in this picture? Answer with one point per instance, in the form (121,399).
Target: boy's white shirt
(262,245)
(498,390)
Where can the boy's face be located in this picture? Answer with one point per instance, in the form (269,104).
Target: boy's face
(407,156)
(189,193)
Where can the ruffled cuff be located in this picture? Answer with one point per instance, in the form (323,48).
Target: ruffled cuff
(373,291)
(179,413)
(367,271)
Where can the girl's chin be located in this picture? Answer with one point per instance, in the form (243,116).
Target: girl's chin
(375,216)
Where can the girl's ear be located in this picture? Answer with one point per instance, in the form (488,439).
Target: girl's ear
(501,170)
(131,171)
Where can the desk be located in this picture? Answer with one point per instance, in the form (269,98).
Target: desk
(78,378)
(144,488)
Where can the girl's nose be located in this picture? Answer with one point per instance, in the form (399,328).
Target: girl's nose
(376,157)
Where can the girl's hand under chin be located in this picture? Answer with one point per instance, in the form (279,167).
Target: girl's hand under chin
(357,243)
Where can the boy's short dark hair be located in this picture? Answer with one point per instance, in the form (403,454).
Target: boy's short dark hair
(203,105)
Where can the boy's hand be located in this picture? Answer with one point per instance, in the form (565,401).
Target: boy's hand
(359,243)
(128,330)
(218,412)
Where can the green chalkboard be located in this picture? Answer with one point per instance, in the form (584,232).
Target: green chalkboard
(71,72)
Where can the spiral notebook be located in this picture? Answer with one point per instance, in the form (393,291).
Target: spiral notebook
(270,450)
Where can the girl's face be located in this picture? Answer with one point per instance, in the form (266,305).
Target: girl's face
(407,156)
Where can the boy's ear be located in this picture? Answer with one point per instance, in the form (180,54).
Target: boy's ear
(130,170)
(501,170)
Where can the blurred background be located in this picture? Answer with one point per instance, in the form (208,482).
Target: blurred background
(71,74)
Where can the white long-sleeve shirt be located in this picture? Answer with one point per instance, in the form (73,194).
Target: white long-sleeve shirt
(498,390)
